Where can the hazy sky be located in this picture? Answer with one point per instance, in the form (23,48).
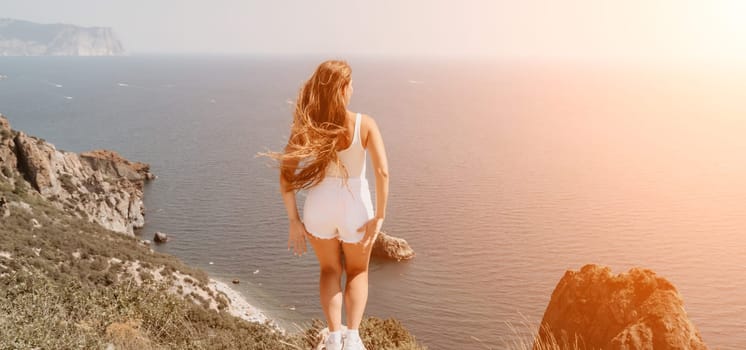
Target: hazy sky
(568,29)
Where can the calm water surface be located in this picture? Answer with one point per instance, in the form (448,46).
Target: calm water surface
(503,176)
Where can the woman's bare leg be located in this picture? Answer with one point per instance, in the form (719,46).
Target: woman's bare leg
(330,279)
(357,259)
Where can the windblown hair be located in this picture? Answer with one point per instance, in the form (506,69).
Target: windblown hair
(318,127)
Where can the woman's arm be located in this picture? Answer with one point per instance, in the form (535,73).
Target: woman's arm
(380,166)
(381,169)
(288,196)
(297,231)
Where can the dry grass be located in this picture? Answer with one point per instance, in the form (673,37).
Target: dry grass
(38,313)
(524,336)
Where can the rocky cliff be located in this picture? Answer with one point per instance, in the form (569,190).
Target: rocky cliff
(23,38)
(633,310)
(100,185)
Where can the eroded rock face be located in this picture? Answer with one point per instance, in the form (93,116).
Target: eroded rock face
(389,247)
(35,161)
(633,310)
(99,185)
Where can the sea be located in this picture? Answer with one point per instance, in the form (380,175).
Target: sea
(504,174)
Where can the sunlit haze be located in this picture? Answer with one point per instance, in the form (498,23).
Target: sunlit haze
(524,139)
(576,29)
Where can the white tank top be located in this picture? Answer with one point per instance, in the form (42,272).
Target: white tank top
(353,157)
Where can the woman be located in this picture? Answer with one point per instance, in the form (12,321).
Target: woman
(326,154)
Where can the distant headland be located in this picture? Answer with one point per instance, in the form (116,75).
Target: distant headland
(24,38)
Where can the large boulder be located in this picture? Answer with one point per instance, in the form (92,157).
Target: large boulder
(388,247)
(628,311)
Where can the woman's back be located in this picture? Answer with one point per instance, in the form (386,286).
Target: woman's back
(352,157)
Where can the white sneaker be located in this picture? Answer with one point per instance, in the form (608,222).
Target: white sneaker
(330,344)
(353,343)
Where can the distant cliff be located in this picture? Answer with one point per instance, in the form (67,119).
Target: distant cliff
(23,38)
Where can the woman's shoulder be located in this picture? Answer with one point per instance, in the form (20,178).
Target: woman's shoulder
(365,119)
(367,124)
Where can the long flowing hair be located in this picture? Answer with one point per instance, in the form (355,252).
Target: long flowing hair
(318,127)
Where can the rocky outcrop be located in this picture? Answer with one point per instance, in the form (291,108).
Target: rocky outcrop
(388,247)
(4,124)
(111,162)
(23,38)
(633,310)
(7,147)
(99,185)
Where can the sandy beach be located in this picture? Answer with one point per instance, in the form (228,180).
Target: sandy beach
(240,307)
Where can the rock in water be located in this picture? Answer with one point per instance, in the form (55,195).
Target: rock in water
(629,311)
(160,237)
(389,247)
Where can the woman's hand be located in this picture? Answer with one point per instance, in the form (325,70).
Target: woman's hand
(297,237)
(371,229)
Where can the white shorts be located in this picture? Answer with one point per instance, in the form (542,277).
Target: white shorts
(332,210)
